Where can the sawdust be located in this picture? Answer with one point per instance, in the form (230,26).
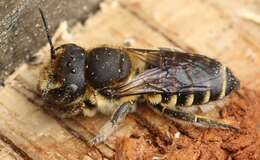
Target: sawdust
(200,143)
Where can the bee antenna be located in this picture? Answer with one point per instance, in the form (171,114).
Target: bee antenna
(48,33)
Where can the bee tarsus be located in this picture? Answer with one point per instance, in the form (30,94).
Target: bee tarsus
(193,118)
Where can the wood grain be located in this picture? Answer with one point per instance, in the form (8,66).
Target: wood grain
(20,33)
(210,27)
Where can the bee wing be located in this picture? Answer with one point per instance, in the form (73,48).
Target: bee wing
(170,72)
(155,80)
(150,56)
(188,62)
(166,56)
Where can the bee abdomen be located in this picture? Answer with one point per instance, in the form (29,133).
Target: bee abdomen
(169,101)
(154,99)
(223,85)
(185,99)
(219,87)
(232,83)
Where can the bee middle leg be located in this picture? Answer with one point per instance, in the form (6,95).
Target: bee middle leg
(193,118)
(108,128)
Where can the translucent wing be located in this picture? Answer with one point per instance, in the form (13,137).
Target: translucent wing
(170,72)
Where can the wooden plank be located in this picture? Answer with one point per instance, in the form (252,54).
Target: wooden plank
(144,135)
(34,132)
(7,153)
(44,136)
(218,29)
(20,36)
(213,28)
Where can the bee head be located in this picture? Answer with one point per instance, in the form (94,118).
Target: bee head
(64,78)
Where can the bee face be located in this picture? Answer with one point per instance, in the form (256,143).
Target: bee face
(66,75)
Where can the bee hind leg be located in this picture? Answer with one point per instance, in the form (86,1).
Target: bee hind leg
(108,128)
(194,119)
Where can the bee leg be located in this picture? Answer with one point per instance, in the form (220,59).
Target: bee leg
(194,119)
(108,128)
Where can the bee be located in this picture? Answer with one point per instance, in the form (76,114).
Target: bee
(111,80)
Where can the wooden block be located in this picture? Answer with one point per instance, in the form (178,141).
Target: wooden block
(8,153)
(213,28)
(43,136)
(145,24)
(20,33)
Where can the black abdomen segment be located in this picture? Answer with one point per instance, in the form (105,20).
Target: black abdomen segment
(232,83)
(219,87)
(198,70)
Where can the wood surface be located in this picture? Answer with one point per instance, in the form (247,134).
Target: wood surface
(20,33)
(219,29)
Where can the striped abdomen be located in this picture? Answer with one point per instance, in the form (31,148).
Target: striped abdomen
(197,71)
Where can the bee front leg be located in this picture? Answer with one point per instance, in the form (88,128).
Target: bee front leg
(108,128)
(194,119)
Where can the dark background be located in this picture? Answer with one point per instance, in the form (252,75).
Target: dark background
(21,33)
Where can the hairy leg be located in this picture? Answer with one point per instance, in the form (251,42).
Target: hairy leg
(108,128)
(192,118)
